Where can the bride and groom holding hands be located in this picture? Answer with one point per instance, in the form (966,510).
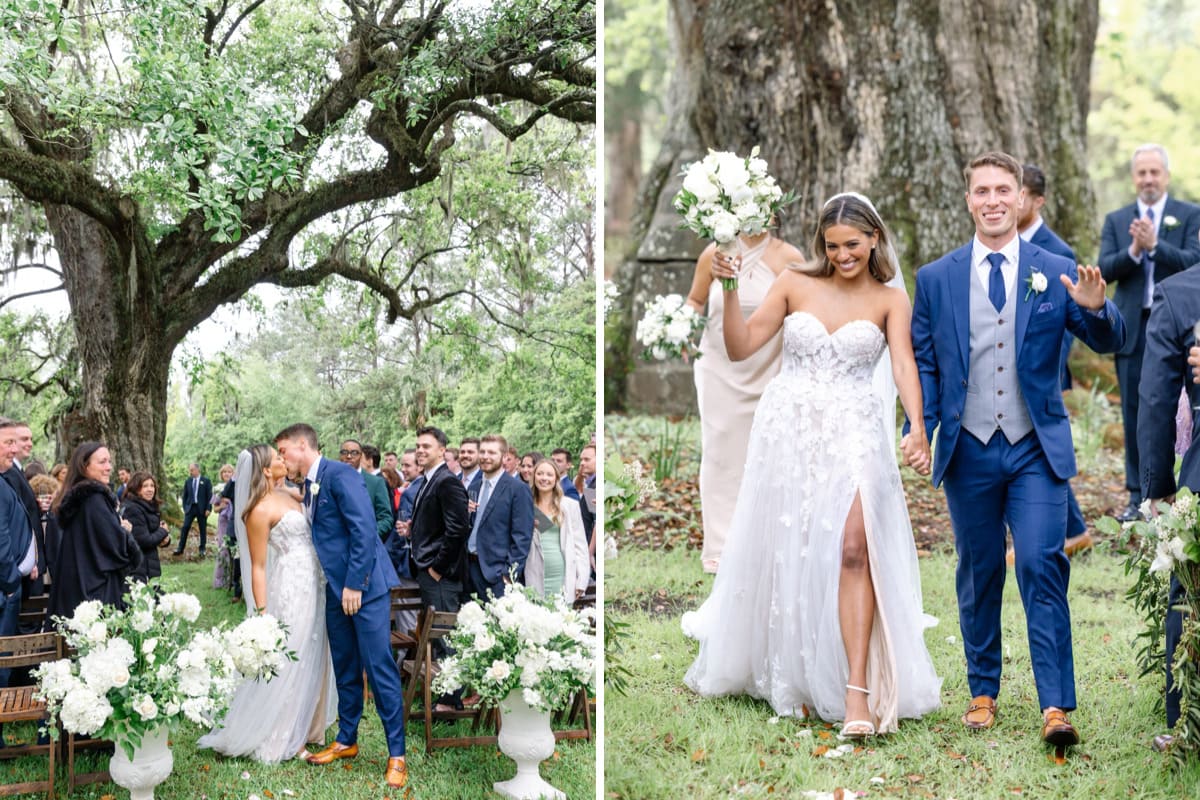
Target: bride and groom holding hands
(817,603)
(316,563)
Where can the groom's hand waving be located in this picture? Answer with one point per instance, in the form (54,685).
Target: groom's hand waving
(1089,292)
(351,601)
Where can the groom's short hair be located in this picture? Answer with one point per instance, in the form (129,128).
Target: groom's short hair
(495,437)
(436,433)
(994,158)
(301,430)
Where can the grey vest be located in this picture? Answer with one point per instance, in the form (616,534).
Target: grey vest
(994,398)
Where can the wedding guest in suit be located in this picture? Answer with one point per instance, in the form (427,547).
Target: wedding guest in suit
(987,335)
(558,560)
(528,462)
(196,498)
(502,523)
(1142,244)
(468,460)
(1169,336)
(585,484)
(351,453)
(727,391)
(141,509)
(562,461)
(1033,229)
(439,529)
(399,546)
(390,459)
(32,581)
(16,538)
(123,476)
(97,552)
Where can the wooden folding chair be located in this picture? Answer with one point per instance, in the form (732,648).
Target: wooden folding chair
(17,704)
(32,617)
(422,669)
(406,609)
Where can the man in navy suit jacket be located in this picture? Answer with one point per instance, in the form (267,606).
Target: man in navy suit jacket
(1169,336)
(196,499)
(987,329)
(1142,244)
(502,525)
(15,537)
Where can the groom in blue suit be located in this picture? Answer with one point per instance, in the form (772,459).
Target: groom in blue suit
(987,330)
(359,578)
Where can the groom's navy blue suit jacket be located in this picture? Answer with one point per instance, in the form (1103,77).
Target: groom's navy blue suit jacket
(941,342)
(505,530)
(343,532)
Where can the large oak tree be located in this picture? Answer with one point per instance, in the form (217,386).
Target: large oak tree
(184,151)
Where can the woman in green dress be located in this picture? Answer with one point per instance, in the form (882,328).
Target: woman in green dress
(558,555)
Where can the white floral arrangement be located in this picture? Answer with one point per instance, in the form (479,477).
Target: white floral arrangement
(544,648)
(669,328)
(725,195)
(146,666)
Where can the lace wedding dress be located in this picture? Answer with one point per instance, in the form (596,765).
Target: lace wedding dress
(770,628)
(270,721)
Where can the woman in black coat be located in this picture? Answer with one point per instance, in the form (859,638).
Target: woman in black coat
(96,552)
(141,509)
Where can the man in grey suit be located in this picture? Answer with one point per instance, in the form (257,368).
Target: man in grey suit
(1142,245)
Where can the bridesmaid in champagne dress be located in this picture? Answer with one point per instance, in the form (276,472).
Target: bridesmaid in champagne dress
(727,392)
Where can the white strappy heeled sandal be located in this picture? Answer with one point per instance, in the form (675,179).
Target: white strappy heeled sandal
(857,728)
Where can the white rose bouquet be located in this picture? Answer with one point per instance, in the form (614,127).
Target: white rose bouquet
(669,328)
(543,648)
(724,195)
(146,666)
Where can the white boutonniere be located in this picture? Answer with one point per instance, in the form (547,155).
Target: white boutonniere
(1169,222)
(314,488)
(1035,284)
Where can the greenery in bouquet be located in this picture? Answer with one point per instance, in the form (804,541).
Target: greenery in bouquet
(147,665)
(669,328)
(724,195)
(1166,543)
(543,648)
(627,486)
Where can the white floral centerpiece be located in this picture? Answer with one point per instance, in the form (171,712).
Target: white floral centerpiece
(725,195)
(144,667)
(542,648)
(669,328)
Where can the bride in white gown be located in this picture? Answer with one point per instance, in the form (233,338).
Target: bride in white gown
(817,605)
(271,721)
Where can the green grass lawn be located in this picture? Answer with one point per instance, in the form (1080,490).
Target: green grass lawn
(662,741)
(449,774)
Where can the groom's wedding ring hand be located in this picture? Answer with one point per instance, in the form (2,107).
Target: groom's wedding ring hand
(351,601)
(915,450)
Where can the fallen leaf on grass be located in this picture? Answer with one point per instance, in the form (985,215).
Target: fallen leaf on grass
(108,797)
(820,750)
(347,767)
(762,764)
(955,756)
(268,793)
(668,739)
(699,755)
(915,777)
(824,735)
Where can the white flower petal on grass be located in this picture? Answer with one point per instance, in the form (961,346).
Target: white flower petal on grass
(773,721)
(656,657)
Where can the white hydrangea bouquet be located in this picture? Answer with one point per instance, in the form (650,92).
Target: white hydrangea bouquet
(669,328)
(1166,544)
(543,648)
(147,665)
(725,195)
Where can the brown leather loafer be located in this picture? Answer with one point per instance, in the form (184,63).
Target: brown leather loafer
(981,714)
(397,773)
(333,753)
(1058,730)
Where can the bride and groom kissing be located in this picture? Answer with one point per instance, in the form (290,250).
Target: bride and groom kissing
(316,563)
(830,621)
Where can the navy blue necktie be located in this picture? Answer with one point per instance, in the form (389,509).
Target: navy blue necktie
(996,280)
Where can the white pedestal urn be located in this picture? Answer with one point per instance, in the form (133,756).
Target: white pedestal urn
(150,766)
(526,738)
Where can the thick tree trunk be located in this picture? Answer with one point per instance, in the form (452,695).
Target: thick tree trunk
(886,98)
(124,353)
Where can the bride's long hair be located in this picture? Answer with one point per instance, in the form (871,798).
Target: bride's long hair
(855,210)
(261,456)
